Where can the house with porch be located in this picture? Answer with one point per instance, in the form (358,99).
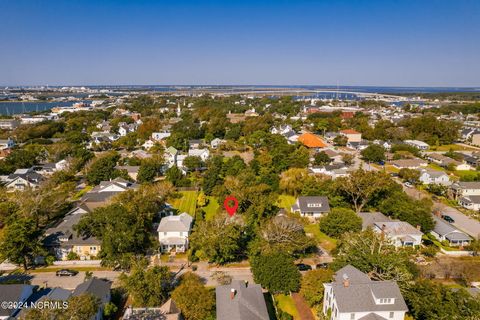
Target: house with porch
(173,232)
(313,207)
(444,231)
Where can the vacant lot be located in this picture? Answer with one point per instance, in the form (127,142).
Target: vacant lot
(444,267)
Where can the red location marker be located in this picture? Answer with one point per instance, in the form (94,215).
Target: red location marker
(231,209)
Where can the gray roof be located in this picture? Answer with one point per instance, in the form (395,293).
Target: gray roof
(433,173)
(398,228)
(359,295)
(446,230)
(471,199)
(312,204)
(466,185)
(97,287)
(182,222)
(12,292)
(372,316)
(58,294)
(369,218)
(248,302)
(129,169)
(64,229)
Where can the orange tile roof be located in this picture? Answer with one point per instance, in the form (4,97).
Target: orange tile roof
(349,131)
(311,141)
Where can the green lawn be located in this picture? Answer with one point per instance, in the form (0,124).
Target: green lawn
(211,208)
(286,201)
(80,193)
(466,175)
(286,304)
(322,239)
(187,203)
(454,147)
(435,167)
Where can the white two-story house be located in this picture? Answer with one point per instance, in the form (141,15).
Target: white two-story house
(353,296)
(173,232)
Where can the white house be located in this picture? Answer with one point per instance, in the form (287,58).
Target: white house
(311,207)
(470,202)
(215,143)
(173,232)
(444,231)
(417,144)
(201,153)
(401,233)
(147,145)
(464,189)
(430,176)
(158,136)
(6,144)
(23,179)
(353,296)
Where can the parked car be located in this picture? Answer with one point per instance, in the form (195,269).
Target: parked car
(323,265)
(408,184)
(448,218)
(303,267)
(66,273)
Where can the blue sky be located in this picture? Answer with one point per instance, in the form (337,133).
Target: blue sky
(384,42)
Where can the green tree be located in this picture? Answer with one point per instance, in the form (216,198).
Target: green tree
(194,300)
(373,153)
(312,285)
(276,272)
(361,186)
(148,171)
(21,242)
(193,163)
(340,221)
(410,175)
(103,169)
(148,287)
(218,240)
(282,234)
(292,180)
(175,176)
(416,212)
(321,158)
(371,253)
(429,300)
(340,140)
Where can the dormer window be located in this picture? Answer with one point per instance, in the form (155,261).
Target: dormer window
(314,205)
(385,301)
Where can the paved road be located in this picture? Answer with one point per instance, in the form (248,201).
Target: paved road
(51,280)
(462,221)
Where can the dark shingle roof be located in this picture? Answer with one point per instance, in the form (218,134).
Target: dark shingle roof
(12,292)
(97,287)
(247,304)
(312,204)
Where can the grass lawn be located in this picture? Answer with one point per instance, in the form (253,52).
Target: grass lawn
(286,304)
(80,193)
(454,147)
(211,208)
(466,175)
(286,201)
(187,203)
(322,239)
(391,169)
(435,167)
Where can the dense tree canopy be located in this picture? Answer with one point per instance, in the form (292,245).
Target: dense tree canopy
(276,272)
(340,221)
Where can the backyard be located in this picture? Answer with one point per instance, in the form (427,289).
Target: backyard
(187,202)
(322,239)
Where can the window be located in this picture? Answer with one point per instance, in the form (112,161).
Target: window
(164,233)
(352,316)
(314,205)
(392,314)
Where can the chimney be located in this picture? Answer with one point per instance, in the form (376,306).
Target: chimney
(232,293)
(346,281)
(246,284)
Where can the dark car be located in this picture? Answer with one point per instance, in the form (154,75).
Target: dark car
(323,265)
(303,267)
(448,218)
(66,273)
